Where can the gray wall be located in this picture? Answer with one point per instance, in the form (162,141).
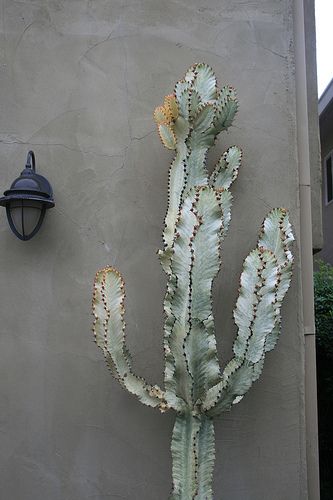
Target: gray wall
(79,82)
(326,141)
(313,119)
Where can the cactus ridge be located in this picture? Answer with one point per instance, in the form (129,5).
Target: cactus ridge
(196,223)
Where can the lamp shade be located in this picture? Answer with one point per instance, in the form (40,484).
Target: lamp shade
(27,200)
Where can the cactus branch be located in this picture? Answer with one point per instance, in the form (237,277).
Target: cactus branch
(109,328)
(264,282)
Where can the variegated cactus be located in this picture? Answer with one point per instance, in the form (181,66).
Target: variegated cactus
(197,220)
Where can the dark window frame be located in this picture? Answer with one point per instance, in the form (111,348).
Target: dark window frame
(328,178)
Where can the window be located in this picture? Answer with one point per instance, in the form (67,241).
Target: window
(328,173)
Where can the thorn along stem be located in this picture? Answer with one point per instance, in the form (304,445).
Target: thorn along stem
(196,222)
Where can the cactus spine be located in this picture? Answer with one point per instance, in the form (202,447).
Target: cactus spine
(197,220)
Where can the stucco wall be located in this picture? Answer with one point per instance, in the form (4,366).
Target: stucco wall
(313,119)
(79,82)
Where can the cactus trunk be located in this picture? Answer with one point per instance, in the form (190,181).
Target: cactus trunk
(197,220)
(193,455)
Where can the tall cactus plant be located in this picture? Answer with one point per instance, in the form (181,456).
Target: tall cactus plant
(197,220)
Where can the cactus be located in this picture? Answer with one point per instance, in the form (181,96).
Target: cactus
(197,220)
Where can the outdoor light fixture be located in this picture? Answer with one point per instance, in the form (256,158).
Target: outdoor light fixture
(27,200)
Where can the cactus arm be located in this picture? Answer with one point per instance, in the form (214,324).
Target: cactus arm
(177,181)
(254,316)
(177,377)
(278,224)
(109,327)
(190,346)
(226,169)
(264,282)
(254,312)
(205,370)
(200,344)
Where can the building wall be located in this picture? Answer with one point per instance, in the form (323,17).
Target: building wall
(79,82)
(326,140)
(314,143)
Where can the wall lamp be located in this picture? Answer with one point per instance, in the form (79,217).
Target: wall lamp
(27,200)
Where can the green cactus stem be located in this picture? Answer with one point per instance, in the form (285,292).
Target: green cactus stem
(197,220)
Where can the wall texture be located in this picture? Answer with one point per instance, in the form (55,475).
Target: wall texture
(314,143)
(79,82)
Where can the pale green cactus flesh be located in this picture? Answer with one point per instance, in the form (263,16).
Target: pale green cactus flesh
(197,220)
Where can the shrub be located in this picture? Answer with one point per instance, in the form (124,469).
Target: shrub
(323,287)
